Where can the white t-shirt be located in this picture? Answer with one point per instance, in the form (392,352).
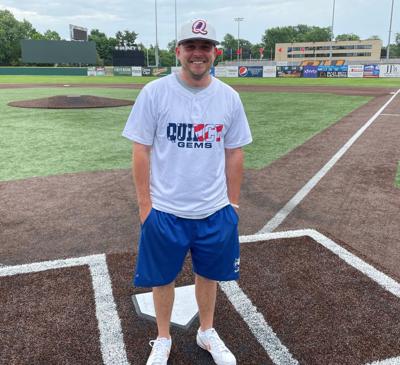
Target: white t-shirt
(188,134)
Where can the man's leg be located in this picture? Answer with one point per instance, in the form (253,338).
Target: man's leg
(206,293)
(163,297)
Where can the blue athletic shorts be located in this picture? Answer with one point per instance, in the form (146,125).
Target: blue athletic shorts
(166,239)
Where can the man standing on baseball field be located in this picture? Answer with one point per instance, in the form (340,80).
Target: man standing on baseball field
(188,131)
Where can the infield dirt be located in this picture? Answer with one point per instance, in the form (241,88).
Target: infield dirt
(324,311)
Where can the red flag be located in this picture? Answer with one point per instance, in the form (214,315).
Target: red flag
(220,52)
(261,51)
(239,51)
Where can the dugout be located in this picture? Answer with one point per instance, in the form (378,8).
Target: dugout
(127,58)
(64,52)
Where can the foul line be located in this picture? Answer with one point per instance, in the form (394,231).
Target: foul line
(111,339)
(258,325)
(301,194)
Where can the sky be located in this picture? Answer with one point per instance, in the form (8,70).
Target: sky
(362,17)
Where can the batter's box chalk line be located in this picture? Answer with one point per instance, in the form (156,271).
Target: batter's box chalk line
(112,345)
(278,353)
(111,340)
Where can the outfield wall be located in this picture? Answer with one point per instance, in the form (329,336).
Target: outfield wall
(344,71)
(45,71)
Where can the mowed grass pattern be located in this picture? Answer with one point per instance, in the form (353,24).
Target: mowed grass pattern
(279,81)
(281,122)
(42,142)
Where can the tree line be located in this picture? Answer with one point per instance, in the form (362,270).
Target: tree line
(13,31)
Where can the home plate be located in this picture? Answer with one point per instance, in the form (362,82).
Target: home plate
(184,311)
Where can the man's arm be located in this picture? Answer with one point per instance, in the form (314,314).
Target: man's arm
(141,176)
(234,173)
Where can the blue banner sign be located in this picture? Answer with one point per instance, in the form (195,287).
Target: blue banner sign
(310,72)
(333,68)
(371,71)
(289,71)
(250,71)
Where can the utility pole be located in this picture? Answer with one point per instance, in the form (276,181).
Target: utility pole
(333,20)
(238,20)
(156,49)
(176,37)
(390,32)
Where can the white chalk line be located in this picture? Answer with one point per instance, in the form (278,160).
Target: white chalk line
(257,324)
(111,339)
(391,361)
(265,335)
(303,192)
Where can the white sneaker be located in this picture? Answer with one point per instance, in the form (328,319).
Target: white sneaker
(160,353)
(210,341)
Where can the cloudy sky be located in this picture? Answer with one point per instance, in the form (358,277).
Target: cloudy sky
(362,17)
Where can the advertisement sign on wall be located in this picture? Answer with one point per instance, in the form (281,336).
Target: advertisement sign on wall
(122,71)
(220,71)
(250,71)
(161,71)
(355,70)
(310,72)
(389,70)
(91,71)
(332,71)
(136,71)
(289,71)
(146,71)
(100,71)
(231,71)
(371,71)
(269,71)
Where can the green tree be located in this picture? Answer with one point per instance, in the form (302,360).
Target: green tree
(12,32)
(347,37)
(171,46)
(104,46)
(376,37)
(229,42)
(167,58)
(126,39)
(51,35)
(299,33)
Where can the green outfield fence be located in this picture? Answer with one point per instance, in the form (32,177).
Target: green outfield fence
(45,71)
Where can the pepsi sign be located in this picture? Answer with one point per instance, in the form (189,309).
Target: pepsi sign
(250,71)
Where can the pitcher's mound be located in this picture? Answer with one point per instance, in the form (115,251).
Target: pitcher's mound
(71,102)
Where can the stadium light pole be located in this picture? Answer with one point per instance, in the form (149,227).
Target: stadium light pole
(390,32)
(176,37)
(156,49)
(238,20)
(333,20)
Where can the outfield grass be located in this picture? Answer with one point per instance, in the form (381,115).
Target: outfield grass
(397,179)
(41,142)
(346,82)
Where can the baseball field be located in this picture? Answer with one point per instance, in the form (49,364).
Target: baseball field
(319,225)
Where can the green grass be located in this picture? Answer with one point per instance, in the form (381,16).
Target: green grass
(348,82)
(31,79)
(41,142)
(282,121)
(397,179)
